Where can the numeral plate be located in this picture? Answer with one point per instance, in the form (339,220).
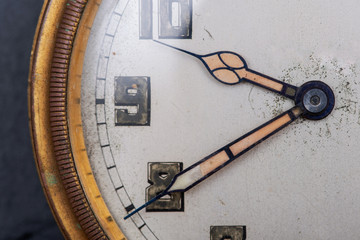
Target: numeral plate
(160,176)
(227,232)
(132,101)
(174,22)
(175,19)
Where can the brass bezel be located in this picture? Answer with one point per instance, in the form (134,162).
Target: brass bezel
(55,120)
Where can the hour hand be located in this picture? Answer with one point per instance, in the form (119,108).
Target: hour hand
(230,68)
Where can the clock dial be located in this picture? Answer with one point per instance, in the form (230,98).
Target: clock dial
(169,86)
(287,186)
(290,187)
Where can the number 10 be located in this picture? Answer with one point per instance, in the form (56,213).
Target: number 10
(175,19)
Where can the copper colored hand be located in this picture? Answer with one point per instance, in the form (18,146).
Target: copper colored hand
(230,68)
(209,165)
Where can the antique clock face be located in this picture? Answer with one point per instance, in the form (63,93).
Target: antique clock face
(194,119)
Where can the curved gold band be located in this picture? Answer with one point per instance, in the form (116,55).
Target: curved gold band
(65,172)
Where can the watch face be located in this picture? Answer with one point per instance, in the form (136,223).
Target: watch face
(167,84)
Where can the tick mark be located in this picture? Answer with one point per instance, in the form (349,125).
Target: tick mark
(129,208)
(100,101)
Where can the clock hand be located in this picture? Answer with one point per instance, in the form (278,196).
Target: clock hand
(230,68)
(204,168)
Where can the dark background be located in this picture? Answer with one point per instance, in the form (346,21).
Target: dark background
(24,212)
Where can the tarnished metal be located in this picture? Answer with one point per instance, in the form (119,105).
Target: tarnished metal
(315,100)
(160,176)
(49,68)
(227,233)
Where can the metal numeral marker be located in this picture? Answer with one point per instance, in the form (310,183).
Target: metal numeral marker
(227,232)
(160,176)
(132,101)
(175,19)
(146,19)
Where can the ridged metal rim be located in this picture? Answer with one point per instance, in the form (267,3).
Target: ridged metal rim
(58,119)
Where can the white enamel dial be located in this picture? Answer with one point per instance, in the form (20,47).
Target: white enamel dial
(301,183)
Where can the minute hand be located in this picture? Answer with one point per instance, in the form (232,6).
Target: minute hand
(204,168)
(230,68)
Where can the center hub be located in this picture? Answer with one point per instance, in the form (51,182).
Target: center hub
(317,100)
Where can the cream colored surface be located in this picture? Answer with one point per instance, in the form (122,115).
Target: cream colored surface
(187,179)
(227,76)
(232,60)
(214,162)
(299,184)
(243,73)
(214,62)
(258,135)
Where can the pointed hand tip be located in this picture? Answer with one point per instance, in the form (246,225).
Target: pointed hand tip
(130,214)
(179,49)
(133,212)
(157,41)
(127,216)
(146,204)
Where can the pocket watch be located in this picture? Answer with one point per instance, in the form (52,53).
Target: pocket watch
(194,119)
